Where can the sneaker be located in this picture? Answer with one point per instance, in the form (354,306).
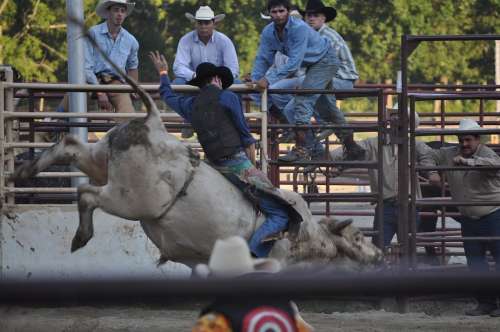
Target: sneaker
(187,132)
(483,309)
(296,154)
(324,134)
(288,136)
(354,152)
(315,156)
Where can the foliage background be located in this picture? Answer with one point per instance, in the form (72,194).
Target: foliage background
(33,35)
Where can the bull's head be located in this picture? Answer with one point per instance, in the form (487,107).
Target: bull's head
(331,241)
(351,242)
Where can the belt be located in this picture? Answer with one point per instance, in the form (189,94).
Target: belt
(107,78)
(229,157)
(391,200)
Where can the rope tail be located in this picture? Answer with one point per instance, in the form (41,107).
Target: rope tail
(146,98)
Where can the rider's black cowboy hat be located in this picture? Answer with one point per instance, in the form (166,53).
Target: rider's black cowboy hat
(317,6)
(207,69)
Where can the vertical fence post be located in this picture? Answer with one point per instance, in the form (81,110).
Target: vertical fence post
(403,175)
(2,146)
(76,72)
(379,211)
(8,130)
(263,133)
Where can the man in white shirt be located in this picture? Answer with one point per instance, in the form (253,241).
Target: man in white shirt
(204,44)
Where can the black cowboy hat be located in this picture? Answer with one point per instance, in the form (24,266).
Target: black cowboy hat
(207,69)
(317,6)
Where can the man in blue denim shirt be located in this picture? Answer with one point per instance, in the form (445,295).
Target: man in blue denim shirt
(305,47)
(217,118)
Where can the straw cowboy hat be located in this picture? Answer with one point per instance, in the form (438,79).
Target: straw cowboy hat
(103,6)
(469,124)
(317,6)
(231,258)
(205,13)
(207,69)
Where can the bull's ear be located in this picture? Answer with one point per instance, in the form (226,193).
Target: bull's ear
(336,228)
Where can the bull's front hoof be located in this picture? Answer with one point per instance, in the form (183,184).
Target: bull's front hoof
(79,241)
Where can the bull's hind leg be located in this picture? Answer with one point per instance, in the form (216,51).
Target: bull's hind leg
(88,201)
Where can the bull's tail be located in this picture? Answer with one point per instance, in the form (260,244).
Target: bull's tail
(146,98)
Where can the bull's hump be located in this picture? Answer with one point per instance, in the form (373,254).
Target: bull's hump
(132,133)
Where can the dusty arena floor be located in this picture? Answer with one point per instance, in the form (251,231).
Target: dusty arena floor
(83,319)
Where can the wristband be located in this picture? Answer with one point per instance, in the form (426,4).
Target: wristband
(163,72)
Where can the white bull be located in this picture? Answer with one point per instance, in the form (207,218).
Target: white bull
(138,171)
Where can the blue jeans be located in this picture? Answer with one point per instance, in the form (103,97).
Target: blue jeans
(276,221)
(280,100)
(318,76)
(475,251)
(390,223)
(276,212)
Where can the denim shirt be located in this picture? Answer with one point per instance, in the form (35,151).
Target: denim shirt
(302,44)
(122,51)
(183,105)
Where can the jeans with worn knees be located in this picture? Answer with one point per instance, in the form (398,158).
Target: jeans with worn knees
(276,212)
(280,100)
(318,76)
(276,221)
(323,114)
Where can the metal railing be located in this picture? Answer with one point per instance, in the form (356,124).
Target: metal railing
(407,199)
(8,115)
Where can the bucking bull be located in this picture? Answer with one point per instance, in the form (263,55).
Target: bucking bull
(139,171)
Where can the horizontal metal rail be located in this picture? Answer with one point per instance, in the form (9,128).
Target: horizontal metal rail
(356,164)
(55,174)
(340,92)
(432,202)
(294,286)
(437,132)
(48,145)
(115,87)
(455,168)
(49,190)
(340,197)
(453,96)
(457,238)
(95,115)
(361,127)
(453,38)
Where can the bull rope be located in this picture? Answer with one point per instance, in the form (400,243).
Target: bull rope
(194,162)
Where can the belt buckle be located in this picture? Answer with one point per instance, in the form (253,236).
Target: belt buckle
(105,78)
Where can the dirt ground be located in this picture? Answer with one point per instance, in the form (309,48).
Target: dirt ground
(86,319)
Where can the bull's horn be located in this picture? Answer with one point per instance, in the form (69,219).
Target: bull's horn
(337,227)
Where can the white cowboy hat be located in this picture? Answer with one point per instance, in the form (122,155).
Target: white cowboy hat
(231,258)
(205,13)
(468,124)
(103,6)
(417,117)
